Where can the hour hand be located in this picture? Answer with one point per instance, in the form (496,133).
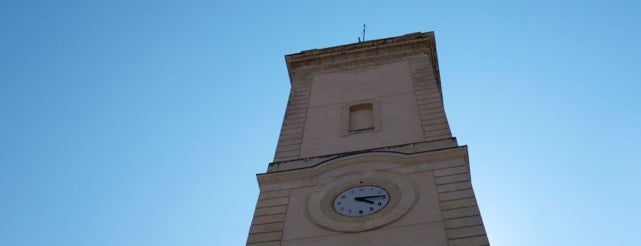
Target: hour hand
(363,199)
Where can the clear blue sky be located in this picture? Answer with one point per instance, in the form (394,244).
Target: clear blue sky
(144,123)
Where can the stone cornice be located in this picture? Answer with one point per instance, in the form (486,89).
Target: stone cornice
(373,51)
(280,166)
(393,158)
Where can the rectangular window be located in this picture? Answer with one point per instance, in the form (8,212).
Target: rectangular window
(361,117)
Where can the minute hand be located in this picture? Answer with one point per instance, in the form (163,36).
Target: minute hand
(367,197)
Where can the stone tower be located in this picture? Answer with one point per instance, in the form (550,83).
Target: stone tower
(365,154)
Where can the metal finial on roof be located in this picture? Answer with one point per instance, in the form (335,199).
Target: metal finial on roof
(362,34)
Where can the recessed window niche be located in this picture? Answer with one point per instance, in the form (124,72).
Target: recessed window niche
(361,117)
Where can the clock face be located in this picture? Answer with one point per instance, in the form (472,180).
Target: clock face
(361,201)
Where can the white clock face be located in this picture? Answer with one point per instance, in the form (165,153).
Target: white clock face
(361,201)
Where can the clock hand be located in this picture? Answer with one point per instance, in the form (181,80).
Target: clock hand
(361,199)
(365,197)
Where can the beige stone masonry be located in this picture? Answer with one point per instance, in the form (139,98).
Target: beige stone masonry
(408,149)
(296,137)
(423,66)
(269,217)
(294,115)
(273,194)
(434,121)
(372,58)
(460,212)
(284,155)
(433,112)
(439,134)
(453,178)
(425,88)
(431,108)
(265,219)
(292,131)
(272,243)
(454,186)
(463,222)
(460,216)
(427,97)
(270,210)
(470,241)
(458,203)
(272,227)
(429,100)
(427,92)
(451,171)
(435,125)
(264,237)
(424,82)
(436,128)
(286,142)
(455,195)
(294,121)
(272,202)
(464,232)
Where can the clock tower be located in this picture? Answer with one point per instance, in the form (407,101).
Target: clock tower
(365,154)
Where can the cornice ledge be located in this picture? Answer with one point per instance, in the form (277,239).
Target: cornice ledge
(396,158)
(359,47)
(279,166)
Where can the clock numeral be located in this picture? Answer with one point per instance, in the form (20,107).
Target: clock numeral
(360,211)
(371,209)
(343,196)
(379,204)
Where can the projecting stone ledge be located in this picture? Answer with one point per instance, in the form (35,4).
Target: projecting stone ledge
(404,149)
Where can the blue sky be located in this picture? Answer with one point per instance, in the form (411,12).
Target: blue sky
(144,123)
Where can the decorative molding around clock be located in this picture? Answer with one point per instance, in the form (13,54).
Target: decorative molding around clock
(402,196)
